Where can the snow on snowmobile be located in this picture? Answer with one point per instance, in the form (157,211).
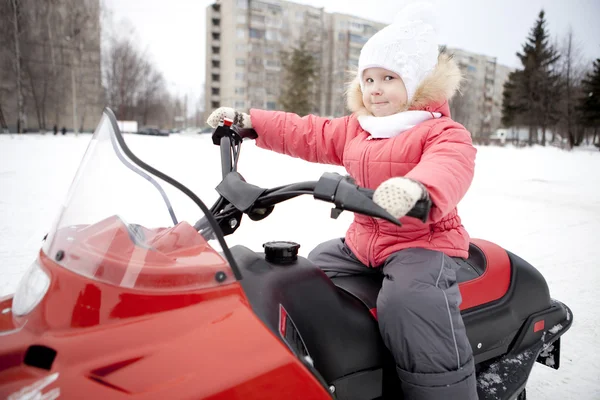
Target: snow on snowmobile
(122,303)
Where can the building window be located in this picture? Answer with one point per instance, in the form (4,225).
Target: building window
(216,36)
(342,36)
(258,18)
(240,90)
(240,104)
(369,30)
(272,77)
(272,63)
(214,104)
(241,33)
(242,4)
(259,5)
(241,19)
(240,62)
(215,77)
(215,91)
(358,39)
(215,50)
(240,47)
(240,76)
(256,33)
(272,35)
(355,26)
(274,22)
(271,105)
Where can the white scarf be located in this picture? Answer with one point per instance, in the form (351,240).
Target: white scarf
(393,125)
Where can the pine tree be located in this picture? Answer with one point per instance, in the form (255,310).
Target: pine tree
(538,84)
(300,74)
(590,102)
(512,103)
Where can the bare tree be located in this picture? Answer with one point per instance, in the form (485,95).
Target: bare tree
(16,15)
(152,85)
(123,76)
(40,75)
(135,89)
(461,105)
(572,72)
(52,38)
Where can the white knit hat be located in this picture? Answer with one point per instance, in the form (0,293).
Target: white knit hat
(407,47)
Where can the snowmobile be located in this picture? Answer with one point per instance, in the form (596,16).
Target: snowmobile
(122,303)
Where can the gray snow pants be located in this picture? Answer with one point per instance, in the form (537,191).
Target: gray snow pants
(419,318)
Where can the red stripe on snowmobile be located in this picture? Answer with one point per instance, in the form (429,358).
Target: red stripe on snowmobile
(494,282)
(373,312)
(282,321)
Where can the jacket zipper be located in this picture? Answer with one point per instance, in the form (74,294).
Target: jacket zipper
(364,161)
(370,257)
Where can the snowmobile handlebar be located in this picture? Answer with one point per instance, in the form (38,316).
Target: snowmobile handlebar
(238,197)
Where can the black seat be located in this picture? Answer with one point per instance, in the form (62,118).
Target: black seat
(366,287)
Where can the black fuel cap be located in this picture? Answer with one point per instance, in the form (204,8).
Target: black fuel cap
(281,252)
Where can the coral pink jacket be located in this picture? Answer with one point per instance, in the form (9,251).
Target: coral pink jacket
(438,153)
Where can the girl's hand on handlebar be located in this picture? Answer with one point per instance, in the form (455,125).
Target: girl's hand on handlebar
(240,119)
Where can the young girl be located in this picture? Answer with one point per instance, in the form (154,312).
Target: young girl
(401,141)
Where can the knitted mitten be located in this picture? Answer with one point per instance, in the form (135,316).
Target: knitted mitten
(241,120)
(399,195)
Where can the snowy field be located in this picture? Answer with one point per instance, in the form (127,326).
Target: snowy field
(540,203)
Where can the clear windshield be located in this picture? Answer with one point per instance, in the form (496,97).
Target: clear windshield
(125,226)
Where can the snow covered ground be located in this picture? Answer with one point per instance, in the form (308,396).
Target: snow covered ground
(540,203)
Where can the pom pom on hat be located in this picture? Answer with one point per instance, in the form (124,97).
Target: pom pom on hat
(407,47)
(421,11)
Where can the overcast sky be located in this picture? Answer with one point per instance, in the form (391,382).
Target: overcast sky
(172,32)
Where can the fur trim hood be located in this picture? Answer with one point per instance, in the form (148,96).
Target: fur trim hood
(438,87)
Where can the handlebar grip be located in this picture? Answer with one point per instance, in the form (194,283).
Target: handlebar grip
(367,192)
(420,210)
(247,133)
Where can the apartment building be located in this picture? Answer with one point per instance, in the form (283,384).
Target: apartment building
(245,40)
(479,105)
